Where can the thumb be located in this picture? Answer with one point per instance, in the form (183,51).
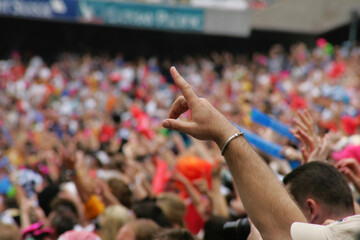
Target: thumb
(178,125)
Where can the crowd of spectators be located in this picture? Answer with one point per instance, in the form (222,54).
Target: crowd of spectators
(84,155)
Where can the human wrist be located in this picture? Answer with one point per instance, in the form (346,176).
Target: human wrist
(225,134)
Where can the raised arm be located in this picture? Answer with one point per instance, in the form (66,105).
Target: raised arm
(70,159)
(266,201)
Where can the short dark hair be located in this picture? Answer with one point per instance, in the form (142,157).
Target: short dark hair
(46,197)
(60,202)
(324,183)
(64,220)
(149,210)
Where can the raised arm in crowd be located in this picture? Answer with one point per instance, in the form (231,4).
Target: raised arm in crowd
(268,205)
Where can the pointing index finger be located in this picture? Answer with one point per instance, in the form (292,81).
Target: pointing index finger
(184,86)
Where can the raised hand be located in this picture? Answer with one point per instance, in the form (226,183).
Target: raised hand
(305,132)
(307,144)
(68,156)
(350,168)
(307,124)
(178,176)
(321,151)
(202,185)
(292,154)
(313,148)
(206,122)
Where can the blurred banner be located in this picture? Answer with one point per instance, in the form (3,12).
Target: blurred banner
(265,146)
(176,18)
(270,148)
(267,121)
(142,15)
(49,9)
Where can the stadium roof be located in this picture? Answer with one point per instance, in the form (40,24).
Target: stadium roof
(304,16)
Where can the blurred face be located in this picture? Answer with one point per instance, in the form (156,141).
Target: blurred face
(126,233)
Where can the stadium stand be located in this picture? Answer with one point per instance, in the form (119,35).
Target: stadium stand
(96,140)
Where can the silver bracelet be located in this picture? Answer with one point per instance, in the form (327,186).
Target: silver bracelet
(229,140)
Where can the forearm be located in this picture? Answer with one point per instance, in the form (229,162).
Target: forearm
(264,197)
(139,191)
(147,186)
(94,143)
(24,219)
(218,200)
(23,207)
(110,199)
(82,186)
(193,193)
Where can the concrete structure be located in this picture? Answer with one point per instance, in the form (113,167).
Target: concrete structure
(304,16)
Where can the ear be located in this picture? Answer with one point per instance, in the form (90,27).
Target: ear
(313,210)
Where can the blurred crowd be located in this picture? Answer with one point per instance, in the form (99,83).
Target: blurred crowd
(84,156)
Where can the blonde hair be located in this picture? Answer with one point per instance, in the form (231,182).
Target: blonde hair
(173,208)
(9,232)
(112,219)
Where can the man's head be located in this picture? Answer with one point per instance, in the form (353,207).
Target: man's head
(9,232)
(149,210)
(175,234)
(173,208)
(321,192)
(62,219)
(121,191)
(112,219)
(140,229)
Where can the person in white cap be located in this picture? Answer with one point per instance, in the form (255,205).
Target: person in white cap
(267,202)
